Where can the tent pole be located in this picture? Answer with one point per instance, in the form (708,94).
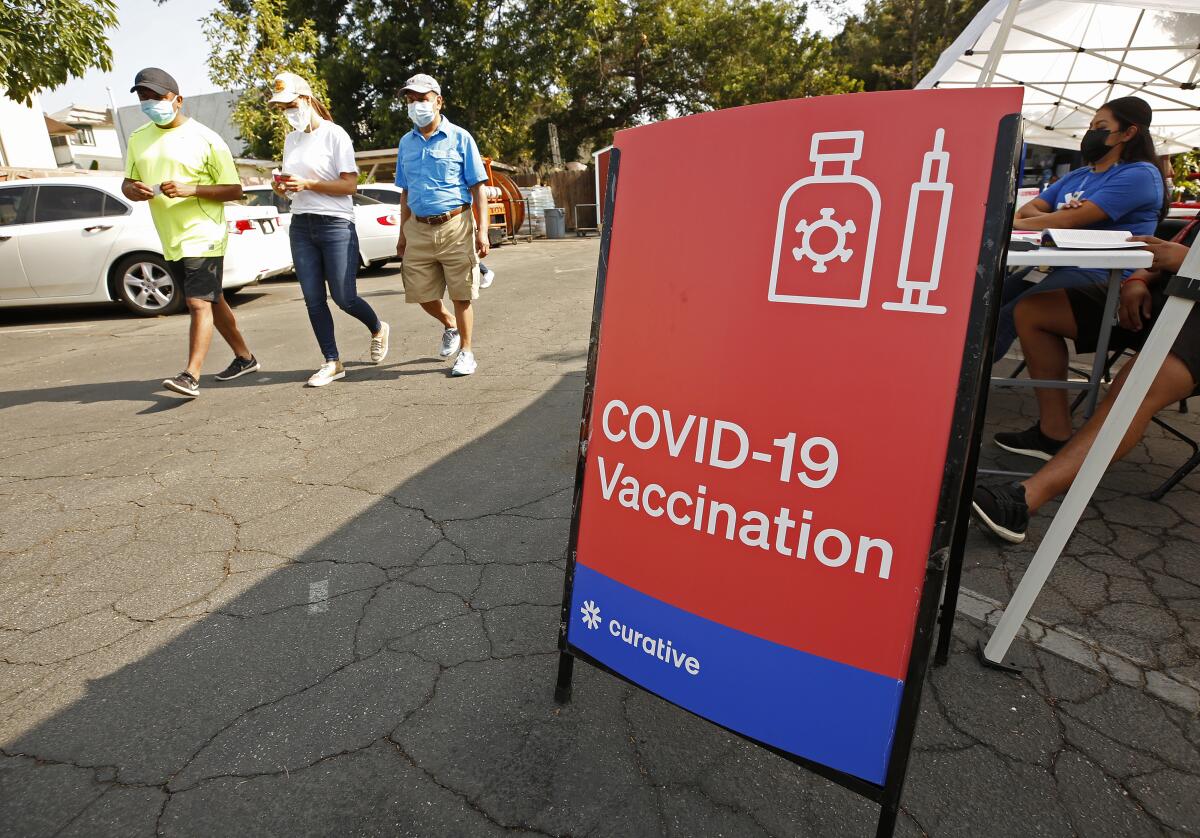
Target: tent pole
(988,74)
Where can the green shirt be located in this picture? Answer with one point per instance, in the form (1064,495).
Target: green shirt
(189,153)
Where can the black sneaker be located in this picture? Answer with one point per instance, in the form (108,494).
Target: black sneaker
(183,383)
(1002,509)
(239,366)
(1030,442)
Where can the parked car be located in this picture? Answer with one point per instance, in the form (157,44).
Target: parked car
(79,240)
(377,223)
(386,193)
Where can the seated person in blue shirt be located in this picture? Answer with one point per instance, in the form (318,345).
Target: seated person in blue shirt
(1121,188)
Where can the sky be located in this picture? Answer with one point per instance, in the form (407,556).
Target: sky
(148,35)
(169,36)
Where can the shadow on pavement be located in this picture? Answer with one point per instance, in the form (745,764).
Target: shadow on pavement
(394,677)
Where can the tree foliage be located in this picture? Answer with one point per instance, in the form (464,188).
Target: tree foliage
(892,44)
(510,67)
(42,44)
(249,44)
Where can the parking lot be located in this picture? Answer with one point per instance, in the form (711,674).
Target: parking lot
(279,610)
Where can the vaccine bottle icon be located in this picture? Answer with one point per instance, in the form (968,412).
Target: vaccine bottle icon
(825,234)
(925,233)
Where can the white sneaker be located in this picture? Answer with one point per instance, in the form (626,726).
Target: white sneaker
(330,371)
(379,343)
(486,277)
(450,343)
(464,364)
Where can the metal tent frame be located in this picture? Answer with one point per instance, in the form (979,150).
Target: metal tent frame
(1072,56)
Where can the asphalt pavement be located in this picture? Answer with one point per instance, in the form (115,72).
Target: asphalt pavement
(276,610)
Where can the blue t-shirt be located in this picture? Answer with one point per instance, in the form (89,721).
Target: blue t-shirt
(437,174)
(1131,194)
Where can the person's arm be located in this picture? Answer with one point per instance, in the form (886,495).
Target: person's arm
(479,205)
(132,187)
(346,184)
(405,214)
(135,190)
(213,192)
(401,180)
(1035,207)
(1085,214)
(1133,308)
(1168,256)
(475,178)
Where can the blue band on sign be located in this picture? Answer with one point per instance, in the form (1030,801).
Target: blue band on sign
(828,712)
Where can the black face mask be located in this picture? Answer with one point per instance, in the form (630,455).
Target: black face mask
(1092,146)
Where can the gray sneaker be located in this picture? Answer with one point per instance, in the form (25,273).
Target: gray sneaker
(450,343)
(379,343)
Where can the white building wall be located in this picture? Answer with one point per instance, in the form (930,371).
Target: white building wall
(24,141)
(107,150)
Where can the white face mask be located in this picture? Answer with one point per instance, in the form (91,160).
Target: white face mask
(300,117)
(421,113)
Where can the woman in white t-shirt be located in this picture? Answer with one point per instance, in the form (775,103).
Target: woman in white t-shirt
(320,175)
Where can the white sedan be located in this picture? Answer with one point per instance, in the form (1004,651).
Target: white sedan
(377,223)
(79,240)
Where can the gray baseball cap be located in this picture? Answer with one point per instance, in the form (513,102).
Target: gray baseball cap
(421,83)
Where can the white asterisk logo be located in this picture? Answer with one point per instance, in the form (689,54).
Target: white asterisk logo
(591,615)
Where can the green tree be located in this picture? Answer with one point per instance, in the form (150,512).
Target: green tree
(42,44)
(1187,172)
(589,66)
(249,44)
(623,64)
(892,44)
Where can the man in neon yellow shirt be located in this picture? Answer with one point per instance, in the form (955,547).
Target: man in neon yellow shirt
(186,172)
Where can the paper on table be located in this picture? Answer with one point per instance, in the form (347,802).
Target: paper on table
(1091,239)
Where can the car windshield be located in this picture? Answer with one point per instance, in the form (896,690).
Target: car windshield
(363,201)
(384,196)
(259,197)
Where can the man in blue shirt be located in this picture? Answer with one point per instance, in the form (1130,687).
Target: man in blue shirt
(444,217)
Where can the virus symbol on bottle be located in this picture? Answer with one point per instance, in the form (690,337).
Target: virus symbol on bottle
(808,229)
(591,615)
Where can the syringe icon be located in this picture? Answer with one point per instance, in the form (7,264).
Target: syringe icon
(930,196)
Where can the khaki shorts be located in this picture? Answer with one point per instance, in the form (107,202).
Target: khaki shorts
(440,257)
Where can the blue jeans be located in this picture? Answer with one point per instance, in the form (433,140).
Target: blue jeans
(1017,287)
(325,253)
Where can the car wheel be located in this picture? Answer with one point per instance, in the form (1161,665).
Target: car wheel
(146,287)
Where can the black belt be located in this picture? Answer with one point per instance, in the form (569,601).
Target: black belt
(443,218)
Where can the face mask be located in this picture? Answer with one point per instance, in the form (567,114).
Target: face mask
(300,117)
(160,111)
(1092,146)
(421,113)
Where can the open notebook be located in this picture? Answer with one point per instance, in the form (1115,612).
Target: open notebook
(1090,239)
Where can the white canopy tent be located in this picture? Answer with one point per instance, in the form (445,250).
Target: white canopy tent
(1072,56)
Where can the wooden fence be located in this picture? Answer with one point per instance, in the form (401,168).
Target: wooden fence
(570,189)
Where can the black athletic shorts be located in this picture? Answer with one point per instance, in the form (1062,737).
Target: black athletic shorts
(1087,304)
(200,276)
